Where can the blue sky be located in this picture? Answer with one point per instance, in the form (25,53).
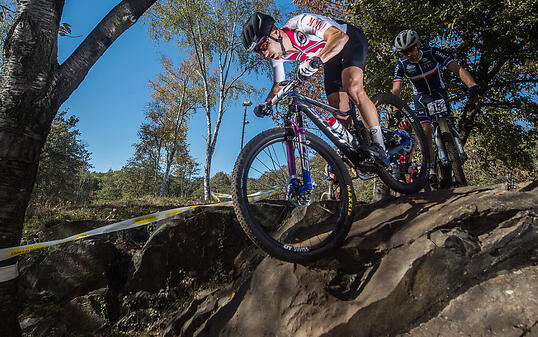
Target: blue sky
(110,101)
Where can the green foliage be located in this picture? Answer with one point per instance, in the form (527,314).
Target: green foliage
(63,175)
(496,141)
(220,183)
(500,49)
(137,180)
(494,39)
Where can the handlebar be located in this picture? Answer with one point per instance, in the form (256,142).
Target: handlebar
(289,85)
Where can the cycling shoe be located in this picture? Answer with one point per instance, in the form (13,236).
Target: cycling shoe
(434,181)
(378,154)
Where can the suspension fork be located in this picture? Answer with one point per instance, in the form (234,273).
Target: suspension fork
(297,134)
(441,152)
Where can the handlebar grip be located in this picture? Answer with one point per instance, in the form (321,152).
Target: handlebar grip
(316,62)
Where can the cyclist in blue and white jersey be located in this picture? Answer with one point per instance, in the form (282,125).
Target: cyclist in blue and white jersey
(422,67)
(317,40)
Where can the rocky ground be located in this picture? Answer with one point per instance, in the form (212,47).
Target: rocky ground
(459,262)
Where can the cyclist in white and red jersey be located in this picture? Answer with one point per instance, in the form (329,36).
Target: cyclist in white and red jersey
(317,40)
(422,67)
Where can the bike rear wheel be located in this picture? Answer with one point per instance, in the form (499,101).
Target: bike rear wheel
(407,149)
(453,156)
(284,219)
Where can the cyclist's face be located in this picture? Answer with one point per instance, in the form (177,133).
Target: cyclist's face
(412,54)
(269,48)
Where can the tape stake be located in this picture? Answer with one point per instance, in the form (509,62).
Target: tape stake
(9,273)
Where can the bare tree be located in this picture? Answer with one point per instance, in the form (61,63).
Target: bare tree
(32,88)
(179,93)
(210,29)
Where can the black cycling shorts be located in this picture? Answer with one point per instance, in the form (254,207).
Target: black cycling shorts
(353,54)
(421,104)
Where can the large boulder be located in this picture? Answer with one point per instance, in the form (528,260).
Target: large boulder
(71,270)
(452,263)
(410,261)
(201,245)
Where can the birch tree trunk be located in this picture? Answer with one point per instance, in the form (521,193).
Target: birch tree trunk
(32,88)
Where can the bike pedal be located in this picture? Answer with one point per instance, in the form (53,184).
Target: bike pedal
(367,166)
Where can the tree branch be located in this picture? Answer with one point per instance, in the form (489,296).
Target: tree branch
(73,71)
(7,9)
(501,84)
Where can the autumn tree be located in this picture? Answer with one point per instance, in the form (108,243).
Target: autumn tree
(178,92)
(210,30)
(149,147)
(185,173)
(32,88)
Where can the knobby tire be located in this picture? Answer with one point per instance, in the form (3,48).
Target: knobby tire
(383,173)
(246,210)
(452,152)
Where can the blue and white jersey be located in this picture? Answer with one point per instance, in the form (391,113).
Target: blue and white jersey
(424,74)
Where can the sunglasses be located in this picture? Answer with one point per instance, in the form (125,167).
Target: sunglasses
(408,50)
(263,45)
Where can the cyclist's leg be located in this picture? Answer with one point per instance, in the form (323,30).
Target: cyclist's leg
(352,78)
(336,95)
(427,127)
(353,63)
(421,110)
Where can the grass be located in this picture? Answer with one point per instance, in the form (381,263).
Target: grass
(39,218)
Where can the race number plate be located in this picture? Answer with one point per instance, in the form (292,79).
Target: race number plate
(437,107)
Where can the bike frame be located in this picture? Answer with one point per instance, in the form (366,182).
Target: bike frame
(298,106)
(441,151)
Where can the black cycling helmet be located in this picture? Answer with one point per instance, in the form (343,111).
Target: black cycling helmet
(406,39)
(257,27)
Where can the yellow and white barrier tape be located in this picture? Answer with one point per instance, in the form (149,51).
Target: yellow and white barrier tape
(10,272)
(218,196)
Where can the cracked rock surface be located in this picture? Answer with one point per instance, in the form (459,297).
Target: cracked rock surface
(407,268)
(459,262)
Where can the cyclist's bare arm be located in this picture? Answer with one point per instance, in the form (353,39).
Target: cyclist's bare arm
(463,74)
(274,90)
(396,88)
(336,39)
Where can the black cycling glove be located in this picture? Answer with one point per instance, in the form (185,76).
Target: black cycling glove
(263,109)
(472,91)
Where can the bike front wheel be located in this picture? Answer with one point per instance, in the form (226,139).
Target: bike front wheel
(408,155)
(454,158)
(283,214)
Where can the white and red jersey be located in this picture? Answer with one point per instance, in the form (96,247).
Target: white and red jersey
(306,34)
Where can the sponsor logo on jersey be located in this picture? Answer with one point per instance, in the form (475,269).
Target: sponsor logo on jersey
(300,38)
(410,68)
(427,63)
(317,24)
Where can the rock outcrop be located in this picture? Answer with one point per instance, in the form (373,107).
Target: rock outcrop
(449,263)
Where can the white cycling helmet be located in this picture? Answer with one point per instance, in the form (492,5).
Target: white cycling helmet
(406,39)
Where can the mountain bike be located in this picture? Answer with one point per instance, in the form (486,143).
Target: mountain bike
(449,154)
(408,166)
(286,164)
